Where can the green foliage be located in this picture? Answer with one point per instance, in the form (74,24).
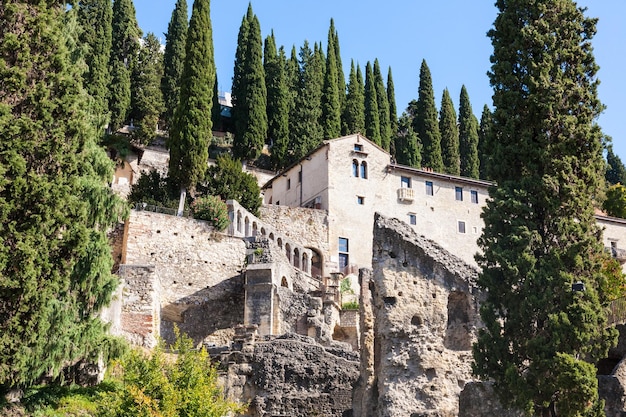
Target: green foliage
(408,146)
(615,170)
(540,234)
(383,107)
(350,305)
(147,97)
(155,190)
(372,115)
(468,137)
(191,131)
(425,122)
(484,135)
(393,113)
(55,205)
(278,101)
(174,59)
(449,136)
(615,203)
(345,287)
(331,101)
(353,120)
(212,209)
(227,180)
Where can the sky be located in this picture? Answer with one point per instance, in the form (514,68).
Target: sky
(449,34)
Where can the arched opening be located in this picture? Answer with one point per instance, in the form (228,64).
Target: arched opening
(254,229)
(263,231)
(246,224)
(305,262)
(316,263)
(271,236)
(296,258)
(238,221)
(279,242)
(355,168)
(288,251)
(364,170)
(284,283)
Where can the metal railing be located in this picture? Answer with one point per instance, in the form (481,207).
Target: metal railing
(162,210)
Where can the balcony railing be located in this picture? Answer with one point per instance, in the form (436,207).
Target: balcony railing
(406,194)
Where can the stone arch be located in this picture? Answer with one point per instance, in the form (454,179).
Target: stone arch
(458,336)
(263,232)
(355,168)
(296,258)
(271,236)
(279,242)
(255,229)
(284,283)
(317,263)
(288,251)
(246,224)
(305,262)
(238,221)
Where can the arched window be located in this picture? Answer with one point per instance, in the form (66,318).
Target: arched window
(305,262)
(279,241)
(364,170)
(296,258)
(239,221)
(288,251)
(355,168)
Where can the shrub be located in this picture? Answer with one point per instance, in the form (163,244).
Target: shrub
(350,305)
(211,209)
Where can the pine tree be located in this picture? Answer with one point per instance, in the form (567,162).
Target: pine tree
(250,106)
(372,115)
(174,59)
(148,104)
(383,107)
(615,170)
(542,335)
(331,103)
(393,113)
(55,205)
(408,148)
(449,136)
(425,122)
(277,101)
(94,17)
(190,134)
(124,49)
(484,146)
(353,120)
(468,137)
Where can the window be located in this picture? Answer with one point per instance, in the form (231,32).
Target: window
(429,188)
(358,147)
(360,200)
(343,253)
(364,170)
(405,182)
(461,226)
(412,219)
(474,196)
(458,193)
(300,177)
(289,183)
(355,168)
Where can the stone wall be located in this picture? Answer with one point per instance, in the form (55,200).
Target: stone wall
(140,309)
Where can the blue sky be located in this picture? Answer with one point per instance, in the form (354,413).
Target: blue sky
(450,35)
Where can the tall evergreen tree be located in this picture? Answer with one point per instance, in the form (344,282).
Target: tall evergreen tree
(190,134)
(277,101)
(148,99)
(372,115)
(425,122)
(383,107)
(174,59)
(615,170)
(540,243)
(124,49)
(393,113)
(250,106)
(55,205)
(94,17)
(468,137)
(353,120)
(449,136)
(484,147)
(239,71)
(408,146)
(331,103)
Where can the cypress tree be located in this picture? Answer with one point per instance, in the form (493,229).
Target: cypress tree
(354,109)
(94,17)
(124,49)
(383,107)
(484,147)
(393,113)
(277,101)
(449,136)
(408,150)
(372,116)
(148,103)
(541,335)
(341,77)
(468,137)
(239,71)
(425,122)
(191,134)
(55,205)
(331,103)
(615,170)
(250,107)
(174,59)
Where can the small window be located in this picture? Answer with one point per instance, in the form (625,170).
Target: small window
(412,219)
(300,177)
(343,244)
(429,188)
(364,170)
(355,168)
(343,253)
(461,227)
(405,182)
(458,193)
(289,183)
(358,147)
(360,200)
(474,196)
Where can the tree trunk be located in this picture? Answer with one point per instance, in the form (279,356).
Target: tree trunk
(181,202)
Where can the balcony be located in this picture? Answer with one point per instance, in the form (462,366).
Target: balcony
(618,254)
(406,194)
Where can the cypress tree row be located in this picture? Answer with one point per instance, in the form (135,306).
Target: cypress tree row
(55,205)
(615,170)
(468,137)
(383,107)
(372,116)
(341,77)
(174,59)
(124,49)
(239,71)
(277,101)
(449,136)
(545,273)
(425,122)
(484,146)
(191,134)
(331,103)
(408,148)
(95,17)
(148,99)
(393,113)
(354,109)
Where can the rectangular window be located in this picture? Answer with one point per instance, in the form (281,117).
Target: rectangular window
(405,182)
(300,177)
(461,227)
(458,193)
(344,260)
(289,183)
(343,244)
(412,219)
(429,188)
(474,195)
(360,200)
(358,147)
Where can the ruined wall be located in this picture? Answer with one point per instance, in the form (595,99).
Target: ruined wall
(425,313)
